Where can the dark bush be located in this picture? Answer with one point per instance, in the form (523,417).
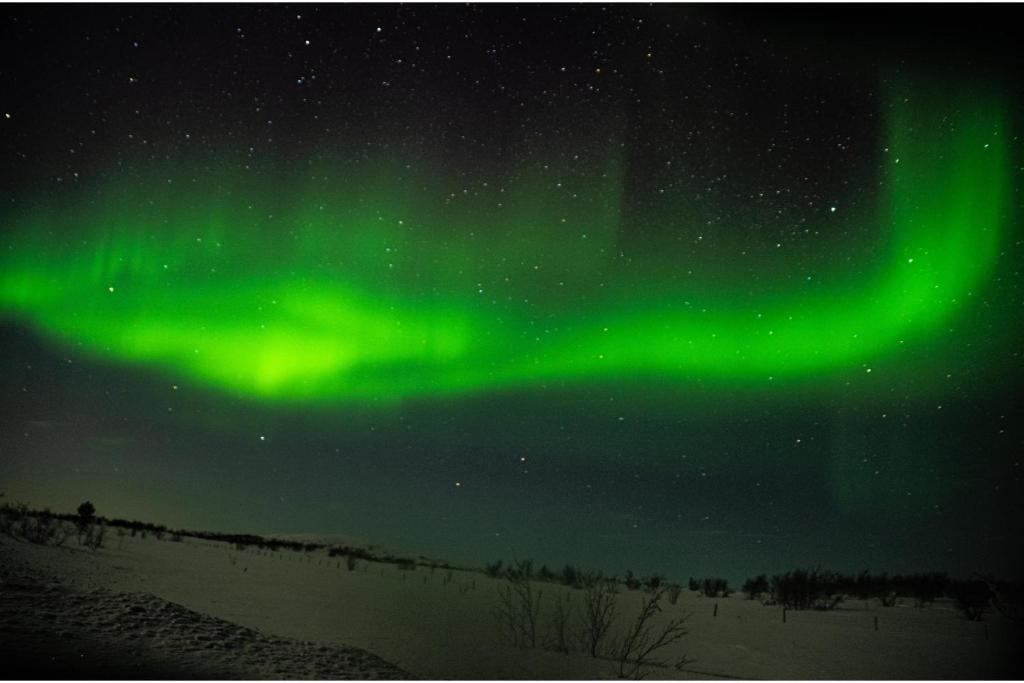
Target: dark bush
(806,589)
(643,639)
(971,597)
(756,587)
(86,513)
(598,613)
(712,587)
(653,583)
(93,535)
(518,607)
(571,576)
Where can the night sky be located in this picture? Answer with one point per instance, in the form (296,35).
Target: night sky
(697,290)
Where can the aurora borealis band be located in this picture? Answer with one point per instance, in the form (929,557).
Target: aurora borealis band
(332,294)
(699,290)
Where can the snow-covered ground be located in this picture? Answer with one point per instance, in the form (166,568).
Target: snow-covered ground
(199,609)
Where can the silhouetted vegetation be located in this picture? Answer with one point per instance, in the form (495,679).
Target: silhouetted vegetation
(642,641)
(807,589)
(520,569)
(559,636)
(798,589)
(519,606)
(711,587)
(1007,598)
(598,611)
(93,535)
(653,582)
(818,589)
(86,513)
(40,527)
(971,597)
(756,587)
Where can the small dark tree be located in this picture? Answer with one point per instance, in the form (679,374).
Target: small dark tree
(653,583)
(571,576)
(86,514)
(756,586)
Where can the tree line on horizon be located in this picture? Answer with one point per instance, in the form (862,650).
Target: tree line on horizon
(797,589)
(801,589)
(45,527)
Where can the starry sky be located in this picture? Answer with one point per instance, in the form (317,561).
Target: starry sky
(689,289)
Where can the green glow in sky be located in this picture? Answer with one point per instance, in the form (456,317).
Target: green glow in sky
(356,283)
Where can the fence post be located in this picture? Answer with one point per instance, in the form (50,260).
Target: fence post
(716,609)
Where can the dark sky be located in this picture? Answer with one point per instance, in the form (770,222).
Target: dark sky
(683,289)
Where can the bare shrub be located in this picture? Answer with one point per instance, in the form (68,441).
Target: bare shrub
(653,583)
(715,588)
(972,598)
(559,638)
(571,576)
(1006,597)
(808,589)
(642,641)
(92,536)
(756,587)
(60,534)
(598,611)
(518,607)
(12,519)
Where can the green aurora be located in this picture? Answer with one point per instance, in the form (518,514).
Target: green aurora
(381,283)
